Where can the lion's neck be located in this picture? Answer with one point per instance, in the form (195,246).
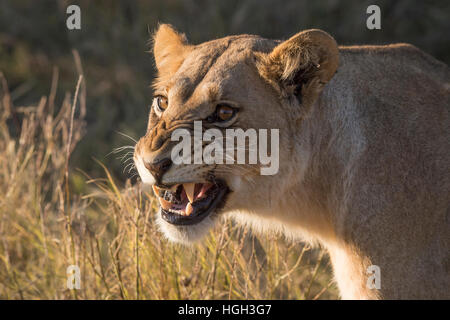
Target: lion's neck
(318,197)
(312,220)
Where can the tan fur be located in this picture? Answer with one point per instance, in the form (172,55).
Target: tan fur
(364,152)
(170,49)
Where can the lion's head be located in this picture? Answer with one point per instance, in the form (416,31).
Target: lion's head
(244,82)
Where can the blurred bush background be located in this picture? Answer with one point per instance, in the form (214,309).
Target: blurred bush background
(113,45)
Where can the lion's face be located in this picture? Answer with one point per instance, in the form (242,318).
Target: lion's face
(229,83)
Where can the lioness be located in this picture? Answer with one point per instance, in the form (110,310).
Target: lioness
(364,161)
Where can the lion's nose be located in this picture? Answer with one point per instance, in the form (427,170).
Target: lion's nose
(158,168)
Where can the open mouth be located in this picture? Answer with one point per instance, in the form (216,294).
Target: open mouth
(189,203)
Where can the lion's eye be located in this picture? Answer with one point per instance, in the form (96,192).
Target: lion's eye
(161,103)
(223,113)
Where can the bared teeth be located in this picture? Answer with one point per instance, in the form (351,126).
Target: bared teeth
(174,206)
(189,189)
(166,205)
(189,209)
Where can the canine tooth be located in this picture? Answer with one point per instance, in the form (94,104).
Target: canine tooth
(155,190)
(166,205)
(189,188)
(174,188)
(189,209)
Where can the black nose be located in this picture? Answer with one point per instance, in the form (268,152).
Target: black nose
(158,168)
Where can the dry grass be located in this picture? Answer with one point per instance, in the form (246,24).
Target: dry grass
(109,231)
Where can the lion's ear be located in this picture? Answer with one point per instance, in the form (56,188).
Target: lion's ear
(169,49)
(303,64)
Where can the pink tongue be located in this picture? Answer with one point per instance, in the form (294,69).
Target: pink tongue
(203,190)
(197,195)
